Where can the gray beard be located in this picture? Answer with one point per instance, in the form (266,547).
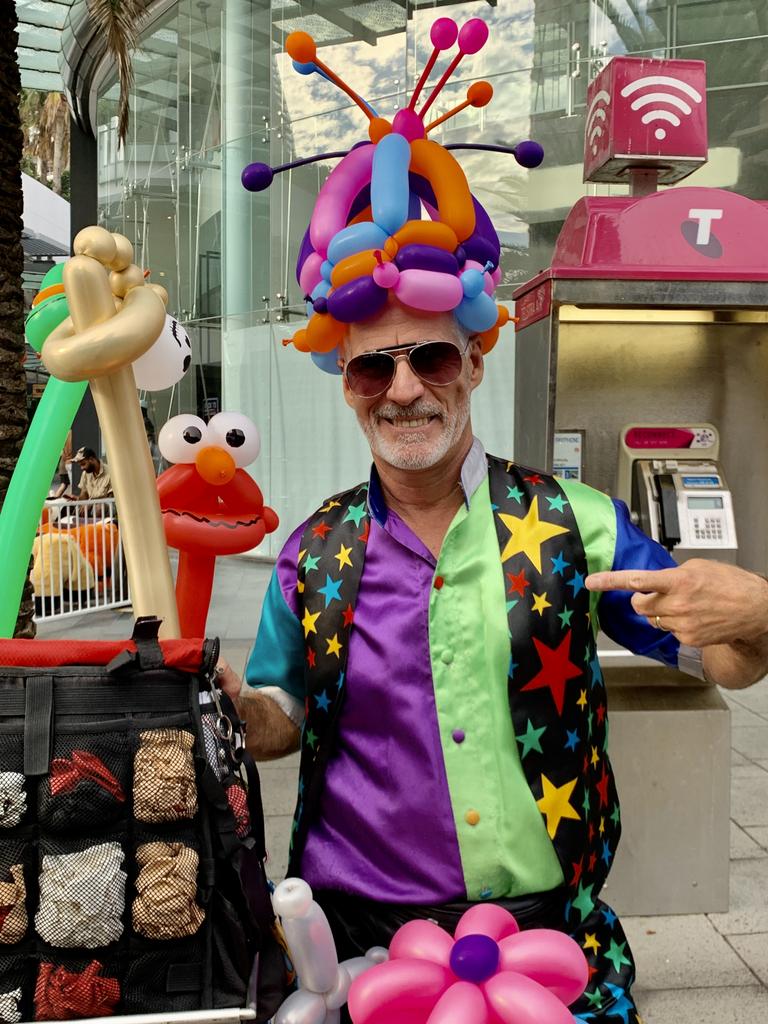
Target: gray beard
(409,451)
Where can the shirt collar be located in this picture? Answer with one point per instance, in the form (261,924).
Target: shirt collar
(474,469)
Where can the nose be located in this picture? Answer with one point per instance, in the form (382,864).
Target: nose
(215,465)
(406,387)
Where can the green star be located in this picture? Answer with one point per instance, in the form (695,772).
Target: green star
(616,955)
(515,493)
(355,513)
(589,724)
(615,814)
(557,503)
(584,902)
(565,616)
(595,999)
(585,805)
(531,739)
(311,739)
(511,604)
(310,562)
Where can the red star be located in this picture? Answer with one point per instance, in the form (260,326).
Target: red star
(349,615)
(602,788)
(556,669)
(591,865)
(592,970)
(600,713)
(320,530)
(366,530)
(585,769)
(534,479)
(517,583)
(591,834)
(577,869)
(310,657)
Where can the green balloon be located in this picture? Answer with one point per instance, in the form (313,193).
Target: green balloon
(44,318)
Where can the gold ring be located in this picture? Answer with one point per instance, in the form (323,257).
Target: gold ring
(657,620)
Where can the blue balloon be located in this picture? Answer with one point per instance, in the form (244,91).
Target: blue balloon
(321,288)
(326,268)
(473,282)
(478,314)
(310,68)
(327,361)
(353,239)
(390,192)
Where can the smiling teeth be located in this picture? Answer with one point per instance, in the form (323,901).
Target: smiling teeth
(412,423)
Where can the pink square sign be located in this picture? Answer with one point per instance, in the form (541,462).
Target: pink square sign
(646,113)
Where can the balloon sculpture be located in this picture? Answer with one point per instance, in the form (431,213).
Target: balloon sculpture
(488,973)
(210,505)
(367,239)
(324,982)
(161,366)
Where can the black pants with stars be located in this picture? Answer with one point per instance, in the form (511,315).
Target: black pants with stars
(358,924)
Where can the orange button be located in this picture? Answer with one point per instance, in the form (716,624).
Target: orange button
(439,581)
(472,817)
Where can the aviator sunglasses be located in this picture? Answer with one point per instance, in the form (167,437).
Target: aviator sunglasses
(437,363)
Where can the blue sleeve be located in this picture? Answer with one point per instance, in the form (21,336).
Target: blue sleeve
(618,619)
(277,658)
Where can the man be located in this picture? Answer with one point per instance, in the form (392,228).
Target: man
(95,482)
(424,804)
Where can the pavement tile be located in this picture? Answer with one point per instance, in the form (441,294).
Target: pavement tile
(738,1005)
(748,912)
(751,740)
(278,791)
(743,845)
(278,833)
(739,759)
(749,797)
(683,952)
(753,950)
(760,834)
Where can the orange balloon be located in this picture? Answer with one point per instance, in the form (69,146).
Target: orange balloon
(488,339)
(300,46)
(424,232)
(454,200)
(391,246)
(215,465)
(365,214)
(503,317)
(300,341)
(357,265)
(378,127)
(324,333)
(480,93)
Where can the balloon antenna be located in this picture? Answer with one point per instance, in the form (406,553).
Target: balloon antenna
(301,47)
(472,37)
(479,94)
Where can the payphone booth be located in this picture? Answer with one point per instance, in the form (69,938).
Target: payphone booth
(642,369)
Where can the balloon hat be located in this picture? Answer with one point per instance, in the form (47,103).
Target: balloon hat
(368,237)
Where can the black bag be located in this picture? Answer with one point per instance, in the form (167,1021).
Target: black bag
(131,835)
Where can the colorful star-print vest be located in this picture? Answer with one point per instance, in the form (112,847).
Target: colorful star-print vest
(554,672)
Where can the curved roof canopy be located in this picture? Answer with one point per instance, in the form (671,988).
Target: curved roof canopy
(40,26)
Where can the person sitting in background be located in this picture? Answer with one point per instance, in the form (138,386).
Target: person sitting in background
(95,481)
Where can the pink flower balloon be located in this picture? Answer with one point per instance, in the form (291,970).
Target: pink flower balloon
(489,973)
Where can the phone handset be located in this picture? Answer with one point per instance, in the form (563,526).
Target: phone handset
(669,523)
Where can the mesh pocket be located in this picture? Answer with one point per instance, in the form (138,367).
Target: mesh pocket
(14,972)
(75,989)
(164,786)
(82,896)
(165,979)
(165,906)
(13,909)
(13,797)
(88,782)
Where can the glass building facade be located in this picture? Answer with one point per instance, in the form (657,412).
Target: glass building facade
(214,91)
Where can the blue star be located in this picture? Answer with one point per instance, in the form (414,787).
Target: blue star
(597,675)
(573,739)
(584,1018)
(606,854)
(559,564)
(621,1007)
(494,508)
(331,590)
(577,582)
(340,680)
(610,917)
(301,787)
(323,701)
(512,666)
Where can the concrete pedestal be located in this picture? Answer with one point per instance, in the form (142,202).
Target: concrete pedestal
(670,748)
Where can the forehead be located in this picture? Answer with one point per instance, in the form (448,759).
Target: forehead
(398,325)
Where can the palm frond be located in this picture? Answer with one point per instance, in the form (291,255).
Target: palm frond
(120,23)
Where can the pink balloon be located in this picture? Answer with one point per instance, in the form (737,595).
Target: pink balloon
(386,275)
(399,990)
(429,289)
(550,958)
(473,35)
(310,273)
(487,919)
(443,33)
(422,940)
(337,195)
(518,1000)
(463,1003)
(496,275)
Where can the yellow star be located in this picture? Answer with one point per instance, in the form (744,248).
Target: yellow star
(330,505)
(591,942)
(343,557)
(333,645)
(300,587)
(540,602)
(528,534)
(602,826)
(595,756)
(301,555)
(308,622)
(582,701)
(554,804)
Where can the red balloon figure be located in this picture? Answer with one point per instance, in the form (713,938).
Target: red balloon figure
(210,505)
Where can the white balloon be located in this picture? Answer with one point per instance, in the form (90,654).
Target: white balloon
(237,435)
(166,362)
(302,1007)
(182,437)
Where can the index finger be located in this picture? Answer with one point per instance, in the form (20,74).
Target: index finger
(641,581)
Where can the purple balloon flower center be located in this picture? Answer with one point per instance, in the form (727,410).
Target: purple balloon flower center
(474,958)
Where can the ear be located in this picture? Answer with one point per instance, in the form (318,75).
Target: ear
(476,360)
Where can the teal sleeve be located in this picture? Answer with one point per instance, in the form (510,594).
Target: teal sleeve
(277,658)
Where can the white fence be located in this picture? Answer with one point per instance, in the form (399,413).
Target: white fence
(77,559)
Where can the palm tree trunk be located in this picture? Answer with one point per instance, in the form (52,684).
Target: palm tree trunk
(13,385)
(58,147)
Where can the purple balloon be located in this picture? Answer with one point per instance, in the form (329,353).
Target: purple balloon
(426,257)
(474,958)
(480,249)
(529,153)
(257,177)
(357,299)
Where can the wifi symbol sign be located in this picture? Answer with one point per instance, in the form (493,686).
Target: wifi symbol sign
(597,116)
(657,96)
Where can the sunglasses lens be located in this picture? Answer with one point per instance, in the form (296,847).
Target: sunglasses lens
(436,362)
(370,374)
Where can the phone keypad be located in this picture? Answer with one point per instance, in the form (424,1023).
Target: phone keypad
(708,528)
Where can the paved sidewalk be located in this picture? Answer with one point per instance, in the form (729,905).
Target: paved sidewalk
(697,969)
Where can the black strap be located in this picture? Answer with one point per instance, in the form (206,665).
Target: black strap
(148,653)
(108,699)
(38,719)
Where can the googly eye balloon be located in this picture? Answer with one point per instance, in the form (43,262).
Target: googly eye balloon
(236,434)
(182,437)
(166,362)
